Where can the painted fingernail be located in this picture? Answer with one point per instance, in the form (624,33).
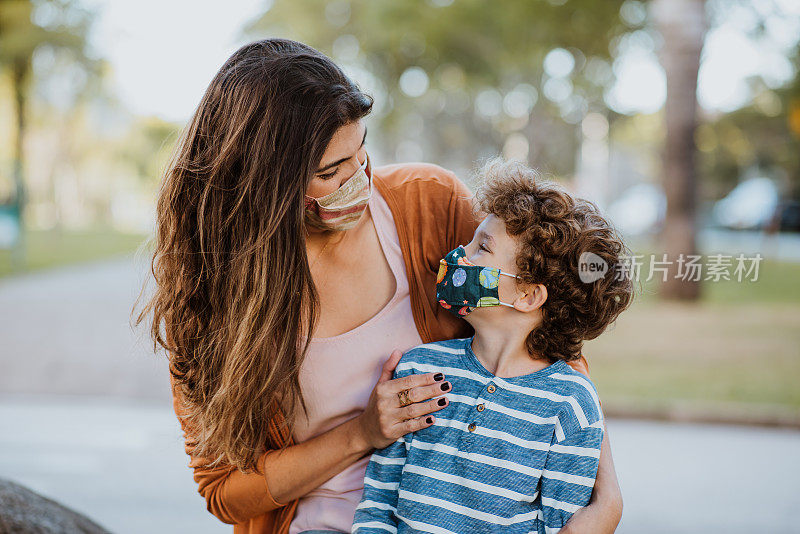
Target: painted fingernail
(442,402)
(429,420)
(438,377)
(445,386)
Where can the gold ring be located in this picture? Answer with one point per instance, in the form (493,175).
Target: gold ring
(404,398)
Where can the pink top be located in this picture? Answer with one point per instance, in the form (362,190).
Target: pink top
(338,375)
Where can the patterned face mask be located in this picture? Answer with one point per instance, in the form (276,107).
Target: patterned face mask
(462,286)
(342,209)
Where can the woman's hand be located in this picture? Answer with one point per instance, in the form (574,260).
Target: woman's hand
(384,420)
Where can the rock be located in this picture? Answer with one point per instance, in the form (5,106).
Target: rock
(24,512)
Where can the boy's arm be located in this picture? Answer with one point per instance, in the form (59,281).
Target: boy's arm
(604,511)
(569,473)
(376,511)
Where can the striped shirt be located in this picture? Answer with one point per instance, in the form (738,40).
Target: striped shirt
(515,454)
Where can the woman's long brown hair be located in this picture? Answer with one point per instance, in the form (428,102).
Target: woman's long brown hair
(234,293)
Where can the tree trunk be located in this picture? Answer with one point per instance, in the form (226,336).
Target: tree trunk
(682,24)
(19,79)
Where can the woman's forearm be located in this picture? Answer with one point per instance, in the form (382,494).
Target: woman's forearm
(604,511)
(284,475)
(296,470)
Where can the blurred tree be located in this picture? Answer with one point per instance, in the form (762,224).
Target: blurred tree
(469,79)
(26,26)
(148,145)
(763,134)
(757,135)
(683,25)
(463,78)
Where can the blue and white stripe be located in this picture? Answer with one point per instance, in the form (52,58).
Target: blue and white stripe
(524,462)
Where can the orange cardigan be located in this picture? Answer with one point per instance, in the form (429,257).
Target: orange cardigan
(432,210)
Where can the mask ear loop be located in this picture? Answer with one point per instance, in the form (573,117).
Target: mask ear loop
(510,276)
(364,168)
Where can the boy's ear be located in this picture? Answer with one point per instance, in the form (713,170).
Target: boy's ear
(533,298)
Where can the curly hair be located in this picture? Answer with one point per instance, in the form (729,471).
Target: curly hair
(553,230)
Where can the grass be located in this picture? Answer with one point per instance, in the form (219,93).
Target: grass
(738,348)
(777,282)
(53,248)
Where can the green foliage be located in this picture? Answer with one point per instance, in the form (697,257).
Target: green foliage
(758,135)
(463,47)
(490,41)
(25,27)
(147,146)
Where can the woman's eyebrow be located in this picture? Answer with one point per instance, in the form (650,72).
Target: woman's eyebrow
(340,161)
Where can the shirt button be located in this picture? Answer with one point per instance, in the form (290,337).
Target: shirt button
(491,388)
(471,427)
(480,407)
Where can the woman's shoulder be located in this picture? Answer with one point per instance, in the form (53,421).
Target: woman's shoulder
(422,192)
(413,177)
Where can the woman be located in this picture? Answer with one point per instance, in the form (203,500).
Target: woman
(287,268)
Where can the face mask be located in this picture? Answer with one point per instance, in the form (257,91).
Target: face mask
(342,209)
(462,286)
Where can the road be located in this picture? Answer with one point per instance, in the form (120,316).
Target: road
(85,419)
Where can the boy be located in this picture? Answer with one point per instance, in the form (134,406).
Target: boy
(516,447)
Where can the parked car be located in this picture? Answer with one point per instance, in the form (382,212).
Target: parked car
(750,206)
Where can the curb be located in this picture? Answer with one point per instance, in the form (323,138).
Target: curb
(708,413)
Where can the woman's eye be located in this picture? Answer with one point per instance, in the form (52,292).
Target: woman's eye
(481,247)
(326,176)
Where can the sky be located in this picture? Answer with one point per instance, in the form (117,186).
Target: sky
(164,53)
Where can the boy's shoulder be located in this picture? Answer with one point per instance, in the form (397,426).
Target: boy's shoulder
(580,394)
(430,357)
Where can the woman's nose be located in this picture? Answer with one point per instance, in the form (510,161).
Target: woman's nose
(359,162)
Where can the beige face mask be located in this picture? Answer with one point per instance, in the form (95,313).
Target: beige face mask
(342,209)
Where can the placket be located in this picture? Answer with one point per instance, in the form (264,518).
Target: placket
(477,413)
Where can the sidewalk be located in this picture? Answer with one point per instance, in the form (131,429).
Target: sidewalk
(122,463)
(67,331)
